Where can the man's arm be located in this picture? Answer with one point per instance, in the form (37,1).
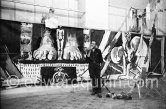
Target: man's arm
(101,57)
(88,56)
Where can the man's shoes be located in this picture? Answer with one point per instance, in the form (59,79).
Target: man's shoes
(94,91)
(99,95)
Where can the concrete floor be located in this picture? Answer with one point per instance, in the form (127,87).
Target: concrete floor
(53,97)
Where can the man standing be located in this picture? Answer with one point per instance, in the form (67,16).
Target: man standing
(95,59)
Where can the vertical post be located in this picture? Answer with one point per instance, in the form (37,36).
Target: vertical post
(162,54)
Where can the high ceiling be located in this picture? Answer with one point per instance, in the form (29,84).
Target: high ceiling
(129,3)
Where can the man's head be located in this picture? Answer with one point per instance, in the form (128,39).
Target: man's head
(93,44)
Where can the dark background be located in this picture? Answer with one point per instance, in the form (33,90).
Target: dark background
(48,72)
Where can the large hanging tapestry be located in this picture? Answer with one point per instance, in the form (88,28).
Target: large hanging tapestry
(73,44)
(59,44)
(123,53)
(68,44)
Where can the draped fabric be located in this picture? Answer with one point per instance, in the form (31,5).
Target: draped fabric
(9,47)
(7,67)
(97,35)
(155,65)
(10,36)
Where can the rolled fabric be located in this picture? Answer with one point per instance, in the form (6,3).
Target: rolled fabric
(51,23)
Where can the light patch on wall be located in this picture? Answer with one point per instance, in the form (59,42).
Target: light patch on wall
(116,22)
(7,14)
(24,16)
(47,3)
(33,10)
(26,1)
(7,4)
(73,22)
(96,14)
(117,11)
(129,3)
(117,18)
(60,4)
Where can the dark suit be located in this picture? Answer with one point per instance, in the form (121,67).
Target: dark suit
(95,60)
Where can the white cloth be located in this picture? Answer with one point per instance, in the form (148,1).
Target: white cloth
(51,23)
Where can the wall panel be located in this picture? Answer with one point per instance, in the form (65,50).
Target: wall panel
(117,18)
(32,10)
